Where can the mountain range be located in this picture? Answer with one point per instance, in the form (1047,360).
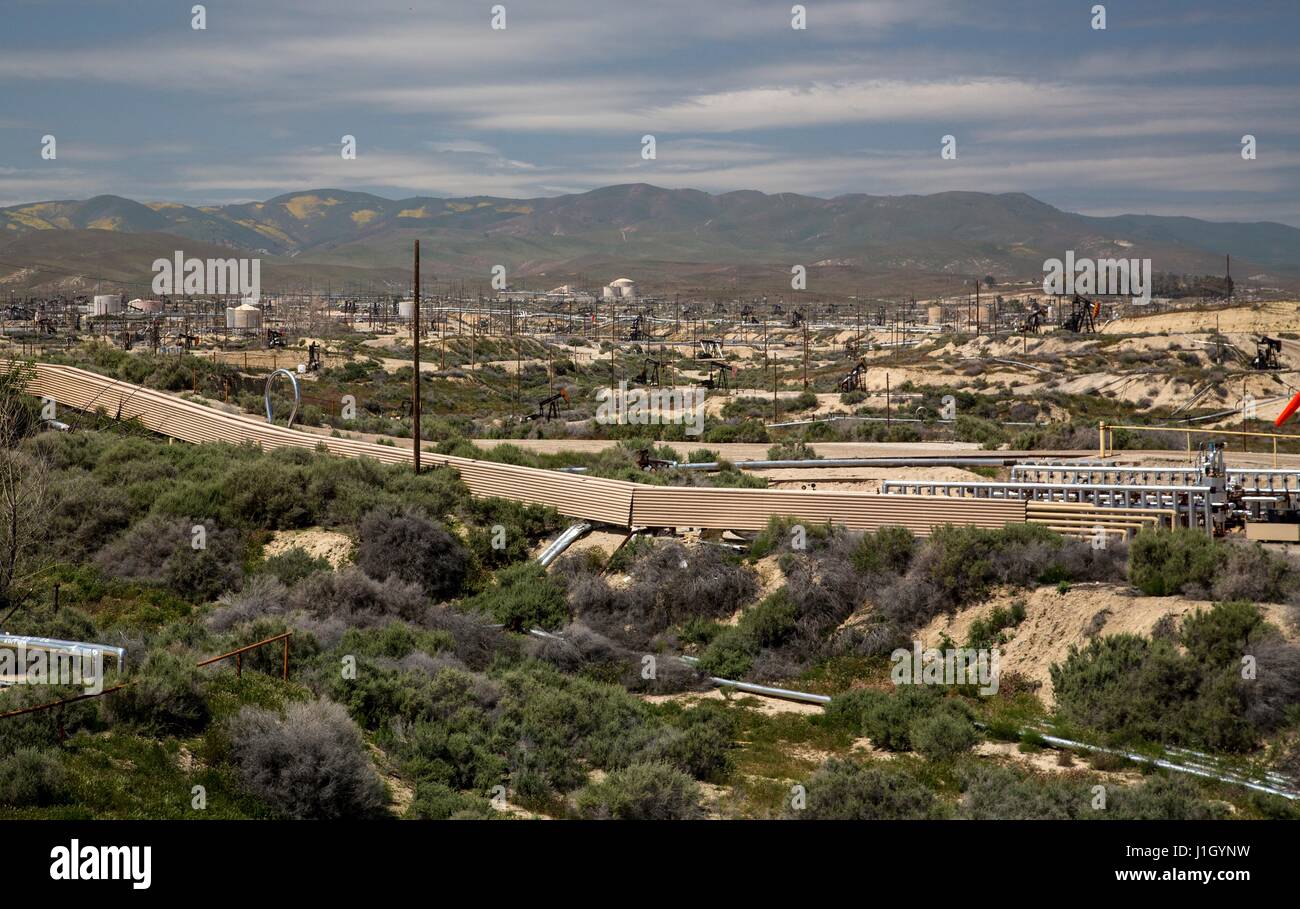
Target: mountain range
(661,237)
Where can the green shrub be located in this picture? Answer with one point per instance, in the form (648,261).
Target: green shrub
(850,791)
(1161,563)
(888,550)
(32,777)
(944,734)
(164,696)
(437,802)
(641,792)
(524,597)
(292,565)
(888,720)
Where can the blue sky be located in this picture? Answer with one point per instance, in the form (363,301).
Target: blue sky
(1146,116)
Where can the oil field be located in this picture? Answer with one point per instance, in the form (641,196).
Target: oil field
(690,442)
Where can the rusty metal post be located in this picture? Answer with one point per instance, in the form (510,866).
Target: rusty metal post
(285,670)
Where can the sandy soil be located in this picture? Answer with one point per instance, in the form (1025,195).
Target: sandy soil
(764,705)
(1269,317)
(1054,621)
(330,545)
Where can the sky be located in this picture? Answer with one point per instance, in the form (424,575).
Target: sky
(1145,116)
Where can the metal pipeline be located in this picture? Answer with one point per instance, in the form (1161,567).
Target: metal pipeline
(562,542)
(969,461)
(297,394)
(71,648)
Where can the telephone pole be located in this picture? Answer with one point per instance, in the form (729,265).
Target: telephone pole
(415,353)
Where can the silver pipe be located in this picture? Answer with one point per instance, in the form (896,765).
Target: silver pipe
(297,394)
(562,542)
(73,648)
(752,688)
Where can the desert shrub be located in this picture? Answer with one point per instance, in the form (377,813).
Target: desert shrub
(1273,696)
(559,727)
(161,550)
(262,595)
(792,451)
(888,550)
(986,631)
(889,718)
(356,599)
(83,512)
(1000,793)
(524,525)
(1251,572)
(414,549)
(40,728)
(310,763)
(1218,636)
(1162,563)
(1137,689)
(32,777)
(641,792)
(779,535)
(699,744)
(850,791)
(437,802)
(844,712)
(1163,798)
(730,655)
(165,696)
(523,598)
(292,565)
(944,734)
(671,585)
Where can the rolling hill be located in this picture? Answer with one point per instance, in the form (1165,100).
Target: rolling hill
(660,233)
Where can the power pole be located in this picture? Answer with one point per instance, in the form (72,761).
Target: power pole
(415,380)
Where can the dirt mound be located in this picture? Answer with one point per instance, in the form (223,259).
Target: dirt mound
(1054,621)
(334,547)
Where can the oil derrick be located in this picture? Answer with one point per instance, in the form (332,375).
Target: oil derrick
(719,378)
(1083,316)
(1032,322)
(1266,351)
(796,318)
(708,349)
(313,357)
(855,378)
(651,373)
(548,408)
(635,333)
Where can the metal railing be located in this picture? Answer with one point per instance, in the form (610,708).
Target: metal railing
(239,652)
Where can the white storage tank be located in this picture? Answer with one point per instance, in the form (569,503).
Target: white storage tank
(248,316)
(406,309)
(230,317)
(107,304)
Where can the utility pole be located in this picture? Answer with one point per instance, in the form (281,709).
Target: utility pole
(415,380)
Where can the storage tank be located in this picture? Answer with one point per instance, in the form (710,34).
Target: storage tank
(107,304)
(230,317)
(406,309)
(934,313)
(248,316)
(147,306)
